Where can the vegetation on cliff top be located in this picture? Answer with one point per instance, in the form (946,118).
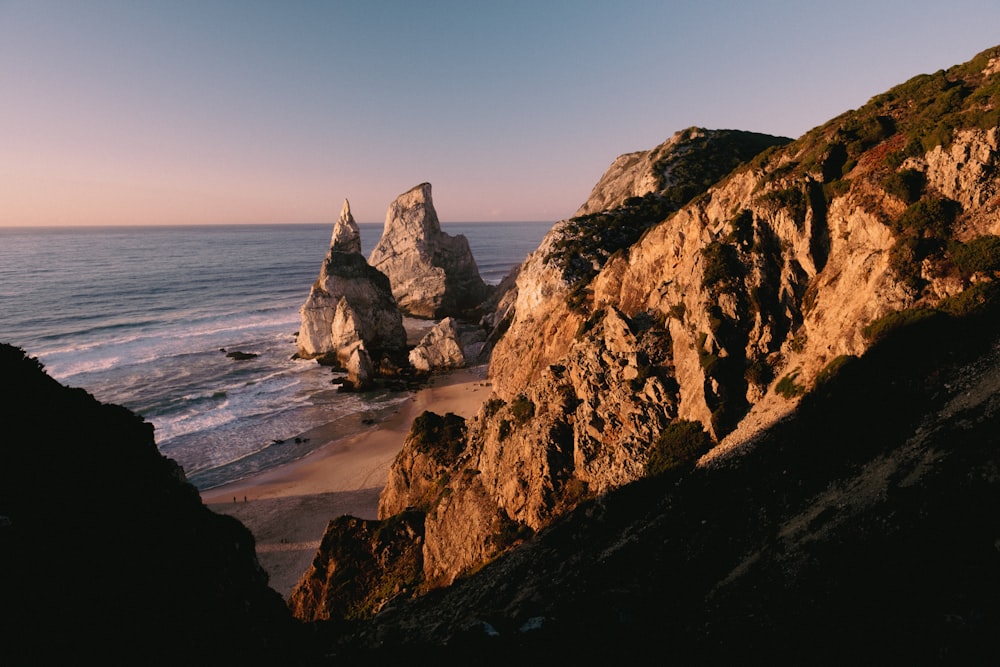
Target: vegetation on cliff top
(905,121)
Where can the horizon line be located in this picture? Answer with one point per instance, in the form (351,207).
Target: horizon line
(244,224)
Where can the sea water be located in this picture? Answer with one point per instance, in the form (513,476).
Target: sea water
(144,316)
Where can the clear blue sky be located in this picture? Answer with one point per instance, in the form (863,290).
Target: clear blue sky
(153,112)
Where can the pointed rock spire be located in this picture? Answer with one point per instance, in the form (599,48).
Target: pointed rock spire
(350,305)
(432,273)
(346,234)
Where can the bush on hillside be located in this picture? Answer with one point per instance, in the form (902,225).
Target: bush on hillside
(881,328)
(522,409)
(929,217)
(980,255)
(907,184)
(431,433)
(681,444)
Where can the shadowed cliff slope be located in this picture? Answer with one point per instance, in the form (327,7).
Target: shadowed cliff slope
(862,529)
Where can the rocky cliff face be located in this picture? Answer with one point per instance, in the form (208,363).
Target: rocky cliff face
(870,538)
(350,308)
(432,274)
(715,300)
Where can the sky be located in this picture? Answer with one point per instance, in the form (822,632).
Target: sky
(220,112)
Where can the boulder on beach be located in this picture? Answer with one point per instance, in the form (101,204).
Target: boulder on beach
(433,274)
(350,303)
(439,349)
(447,346)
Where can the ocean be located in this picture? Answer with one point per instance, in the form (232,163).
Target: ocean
(143,317)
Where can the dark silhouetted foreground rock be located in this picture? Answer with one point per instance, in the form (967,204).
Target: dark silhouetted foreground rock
(107,553)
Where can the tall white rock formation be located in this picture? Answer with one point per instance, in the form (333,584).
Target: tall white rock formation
(350,306)
(433,274)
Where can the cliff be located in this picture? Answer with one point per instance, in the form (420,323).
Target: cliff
(350,310)
(861,529)
(433,274)
(107,553)
(694,296)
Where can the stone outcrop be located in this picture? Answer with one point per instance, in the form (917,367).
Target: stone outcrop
(432,273)
(354,553)
(350,306)
(360,370)
(440,349)
(450,344)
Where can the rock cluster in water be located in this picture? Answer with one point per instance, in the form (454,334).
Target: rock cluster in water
(350,316)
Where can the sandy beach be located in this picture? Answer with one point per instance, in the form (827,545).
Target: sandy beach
(287,508)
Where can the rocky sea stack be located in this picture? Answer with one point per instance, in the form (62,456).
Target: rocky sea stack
(433,274)
(350,311)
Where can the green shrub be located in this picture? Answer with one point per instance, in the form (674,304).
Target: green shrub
(881,328)
(973,300)
(788,387)
(980,255)
(905,256)
(432,433)
(907,184)
(492,406)
(522,409)
(928,217)
(680,445)
(836,188)
(721,265)
(832,368)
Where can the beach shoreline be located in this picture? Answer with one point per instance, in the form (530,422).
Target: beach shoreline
(288,507)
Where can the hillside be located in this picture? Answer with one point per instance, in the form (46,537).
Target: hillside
(657,314)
